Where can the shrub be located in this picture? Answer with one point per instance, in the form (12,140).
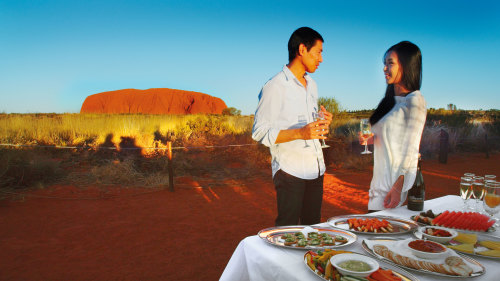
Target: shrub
(25,168)
(231,111)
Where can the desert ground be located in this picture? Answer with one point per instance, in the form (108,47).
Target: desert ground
(115,233)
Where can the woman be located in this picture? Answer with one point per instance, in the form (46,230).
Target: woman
(397,125)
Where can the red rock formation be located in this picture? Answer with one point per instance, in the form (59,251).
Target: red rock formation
(153,101)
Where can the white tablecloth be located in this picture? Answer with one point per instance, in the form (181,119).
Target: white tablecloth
(256,260)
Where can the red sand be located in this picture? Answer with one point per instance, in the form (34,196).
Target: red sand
(189,234)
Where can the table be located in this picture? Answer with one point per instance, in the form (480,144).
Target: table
(254,259)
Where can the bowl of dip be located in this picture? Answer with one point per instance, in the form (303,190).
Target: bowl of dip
(427,249)
(354,264)
(438,234)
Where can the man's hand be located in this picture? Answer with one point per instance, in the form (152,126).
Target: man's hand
(315,130)
(328,115)
(308,132)
(394,195)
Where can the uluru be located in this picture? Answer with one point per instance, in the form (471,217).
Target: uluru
(153,101)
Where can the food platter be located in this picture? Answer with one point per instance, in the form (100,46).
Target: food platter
(401,273)
(273,236)
(476,247)
(475,263)
(399,226)
(474,220)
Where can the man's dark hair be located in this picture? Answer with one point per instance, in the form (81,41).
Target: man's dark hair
(410,58)
(303,35)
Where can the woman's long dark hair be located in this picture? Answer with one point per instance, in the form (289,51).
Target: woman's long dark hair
(410,58)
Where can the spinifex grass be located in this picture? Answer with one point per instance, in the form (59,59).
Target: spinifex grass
(93,130)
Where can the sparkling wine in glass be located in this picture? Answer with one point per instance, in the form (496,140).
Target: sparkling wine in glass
(465,190)
(320,116)
(366,133)
(491,201)
(478,190)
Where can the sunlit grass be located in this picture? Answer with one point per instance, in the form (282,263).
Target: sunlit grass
(37,165)
(93,129)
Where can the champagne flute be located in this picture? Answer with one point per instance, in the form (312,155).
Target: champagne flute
(491,201)
(490,177)
(478,190)
(465,190)
(366,133)
(320,116)
(303,122)
(469,175)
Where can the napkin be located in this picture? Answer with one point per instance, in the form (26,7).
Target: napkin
(399,247)
(306,230)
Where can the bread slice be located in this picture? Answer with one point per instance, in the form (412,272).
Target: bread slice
(490,244)
(491,253)
(466,238)
(466,247)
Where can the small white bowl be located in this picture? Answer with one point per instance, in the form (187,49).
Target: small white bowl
(338,259)
(438,239)
(428,255)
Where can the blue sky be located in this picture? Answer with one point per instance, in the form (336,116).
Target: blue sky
(53,54)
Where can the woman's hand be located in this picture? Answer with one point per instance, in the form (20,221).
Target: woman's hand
(394,195)
(365,140)
(362,140)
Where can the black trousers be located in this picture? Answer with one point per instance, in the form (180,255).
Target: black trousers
(299,201)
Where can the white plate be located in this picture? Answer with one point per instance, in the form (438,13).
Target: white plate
(400,226)
(403,274)
(273,235)
(371,252)
(477,247)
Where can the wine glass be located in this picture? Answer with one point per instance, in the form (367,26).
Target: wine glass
(478,190)
(490,177)
(465,190)
(320,116)
(469,175)
(303,122)
(366,133)
(491,201)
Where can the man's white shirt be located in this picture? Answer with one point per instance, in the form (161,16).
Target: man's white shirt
(284,103)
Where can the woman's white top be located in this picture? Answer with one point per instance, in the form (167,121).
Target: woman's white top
(396,144)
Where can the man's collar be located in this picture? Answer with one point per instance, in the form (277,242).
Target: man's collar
(290,76)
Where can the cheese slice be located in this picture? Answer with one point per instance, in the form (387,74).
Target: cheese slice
(490,244)
(491,253)
(466,238)
(467,248)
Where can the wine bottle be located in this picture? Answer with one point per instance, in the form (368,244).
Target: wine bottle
(416,195)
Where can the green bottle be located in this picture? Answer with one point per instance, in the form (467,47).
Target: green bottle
(416,195)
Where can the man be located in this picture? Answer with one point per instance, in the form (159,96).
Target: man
(284,122)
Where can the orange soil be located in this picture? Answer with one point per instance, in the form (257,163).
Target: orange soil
(189,234)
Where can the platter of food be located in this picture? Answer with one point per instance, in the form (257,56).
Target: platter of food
(305,237)
(320,263)
(379,225)
(481,245)
(437,259)
(465,221)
